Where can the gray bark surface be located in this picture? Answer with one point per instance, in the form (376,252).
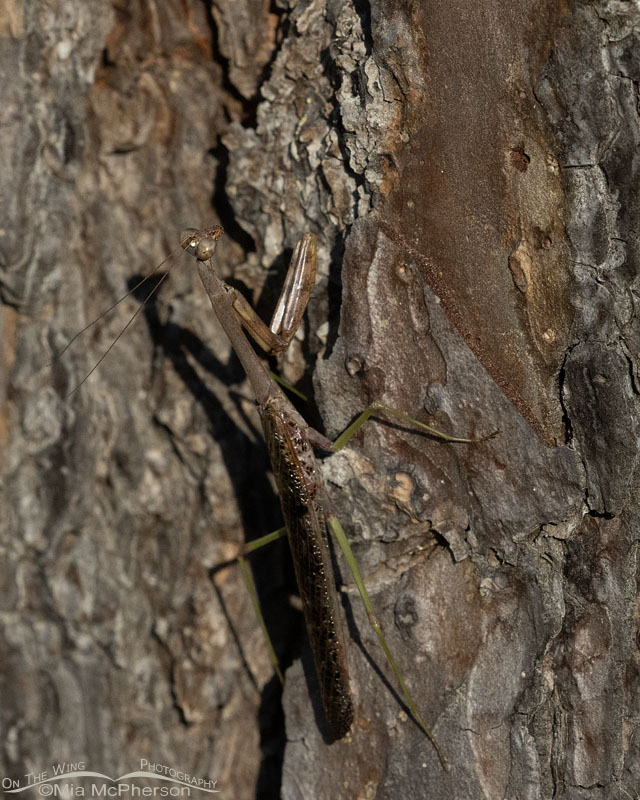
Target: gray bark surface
(470,170)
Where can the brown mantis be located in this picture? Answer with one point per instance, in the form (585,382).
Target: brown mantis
(306,507)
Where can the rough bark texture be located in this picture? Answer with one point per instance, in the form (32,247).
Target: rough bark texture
(471,170)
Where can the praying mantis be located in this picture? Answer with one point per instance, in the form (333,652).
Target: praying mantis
(306,507)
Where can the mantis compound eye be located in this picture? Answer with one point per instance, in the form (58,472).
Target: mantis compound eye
(205,248)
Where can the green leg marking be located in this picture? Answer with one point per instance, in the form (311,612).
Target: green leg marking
(286,385)
(340,535)
(253,594)
(256,544)
(355,426)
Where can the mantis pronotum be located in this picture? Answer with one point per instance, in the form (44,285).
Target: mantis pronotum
(306,507)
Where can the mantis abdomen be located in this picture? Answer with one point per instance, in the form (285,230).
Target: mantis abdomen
(301,492)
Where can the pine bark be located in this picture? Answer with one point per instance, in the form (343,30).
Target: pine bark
(471,172)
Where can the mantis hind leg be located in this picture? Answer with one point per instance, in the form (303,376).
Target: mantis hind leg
(249,582)
(338,532)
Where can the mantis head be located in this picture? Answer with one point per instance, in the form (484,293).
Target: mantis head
(201,243)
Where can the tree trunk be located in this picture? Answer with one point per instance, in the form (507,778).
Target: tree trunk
(470,170)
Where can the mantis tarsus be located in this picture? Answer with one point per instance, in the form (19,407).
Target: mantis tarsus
(290,441)
(306,507)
